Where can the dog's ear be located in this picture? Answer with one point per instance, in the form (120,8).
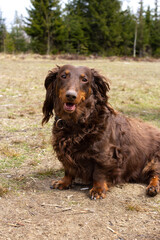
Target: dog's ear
(100,86)
(50,85)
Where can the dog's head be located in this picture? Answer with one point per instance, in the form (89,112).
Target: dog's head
(68,88)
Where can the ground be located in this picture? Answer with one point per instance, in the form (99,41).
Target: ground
(29,209)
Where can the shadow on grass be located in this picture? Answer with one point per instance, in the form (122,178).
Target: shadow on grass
(42,174)
(39,180)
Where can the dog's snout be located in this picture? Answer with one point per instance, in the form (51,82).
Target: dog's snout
(71,95)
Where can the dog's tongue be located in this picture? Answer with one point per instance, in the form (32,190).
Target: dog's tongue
(70,107)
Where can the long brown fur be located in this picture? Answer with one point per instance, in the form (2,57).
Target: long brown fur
(93,142)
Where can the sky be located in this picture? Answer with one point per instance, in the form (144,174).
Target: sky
(8,7)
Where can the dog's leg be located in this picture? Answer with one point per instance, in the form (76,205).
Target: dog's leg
(151,172)
(99,183)
(99,190)
(100,186)
(153,187)
(64,183)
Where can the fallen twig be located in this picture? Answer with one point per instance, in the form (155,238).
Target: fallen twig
(15,224)
(50,205)
(85,211)
(112,230)
(63,210)
(115,233)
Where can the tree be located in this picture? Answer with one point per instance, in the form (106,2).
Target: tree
(9,46)
(2,32)
(135,40)
(155,32)
(18,35)
(76,26)
(44,26)
(147,32)
(156,10)
(128,26)
(140,30)
(99,24)
(105,26)
(16,40)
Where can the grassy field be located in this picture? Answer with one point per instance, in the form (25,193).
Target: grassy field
(27,162)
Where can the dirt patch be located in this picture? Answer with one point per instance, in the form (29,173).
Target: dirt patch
(29,209)
(126,213)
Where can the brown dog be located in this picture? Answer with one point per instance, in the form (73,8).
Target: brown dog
(94,142)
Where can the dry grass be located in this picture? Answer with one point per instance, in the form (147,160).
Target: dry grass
(3,191)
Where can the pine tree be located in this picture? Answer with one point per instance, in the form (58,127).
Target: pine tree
(105,26)
(99,24)
(44,26)
(156,10)
(135,39)
(128,25)
(2,32)
(147,31)
(76,26)
(141,26)
(9,46)
(18,35)
(155,32)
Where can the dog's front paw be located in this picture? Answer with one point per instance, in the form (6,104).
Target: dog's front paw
(97,194)
(59,185)
(64,183)
(99,190)
(152,190)
(153,187)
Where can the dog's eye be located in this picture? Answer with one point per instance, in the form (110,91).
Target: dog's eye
(84,80)
(63,76)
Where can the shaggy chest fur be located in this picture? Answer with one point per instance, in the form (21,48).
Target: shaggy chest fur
(74,148)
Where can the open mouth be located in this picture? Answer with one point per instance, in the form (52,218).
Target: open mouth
(69,107)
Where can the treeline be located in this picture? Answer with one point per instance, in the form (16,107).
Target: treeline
(98,27)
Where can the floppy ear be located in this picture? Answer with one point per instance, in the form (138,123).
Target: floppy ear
(50,85)
(100,86)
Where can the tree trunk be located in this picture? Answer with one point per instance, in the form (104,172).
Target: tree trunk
(48,43)
(135,41)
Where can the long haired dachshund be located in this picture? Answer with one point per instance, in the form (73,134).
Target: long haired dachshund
(93,141)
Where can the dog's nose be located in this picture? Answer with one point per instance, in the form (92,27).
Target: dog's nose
(71,95)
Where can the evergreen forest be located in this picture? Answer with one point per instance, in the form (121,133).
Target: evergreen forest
(97,27)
